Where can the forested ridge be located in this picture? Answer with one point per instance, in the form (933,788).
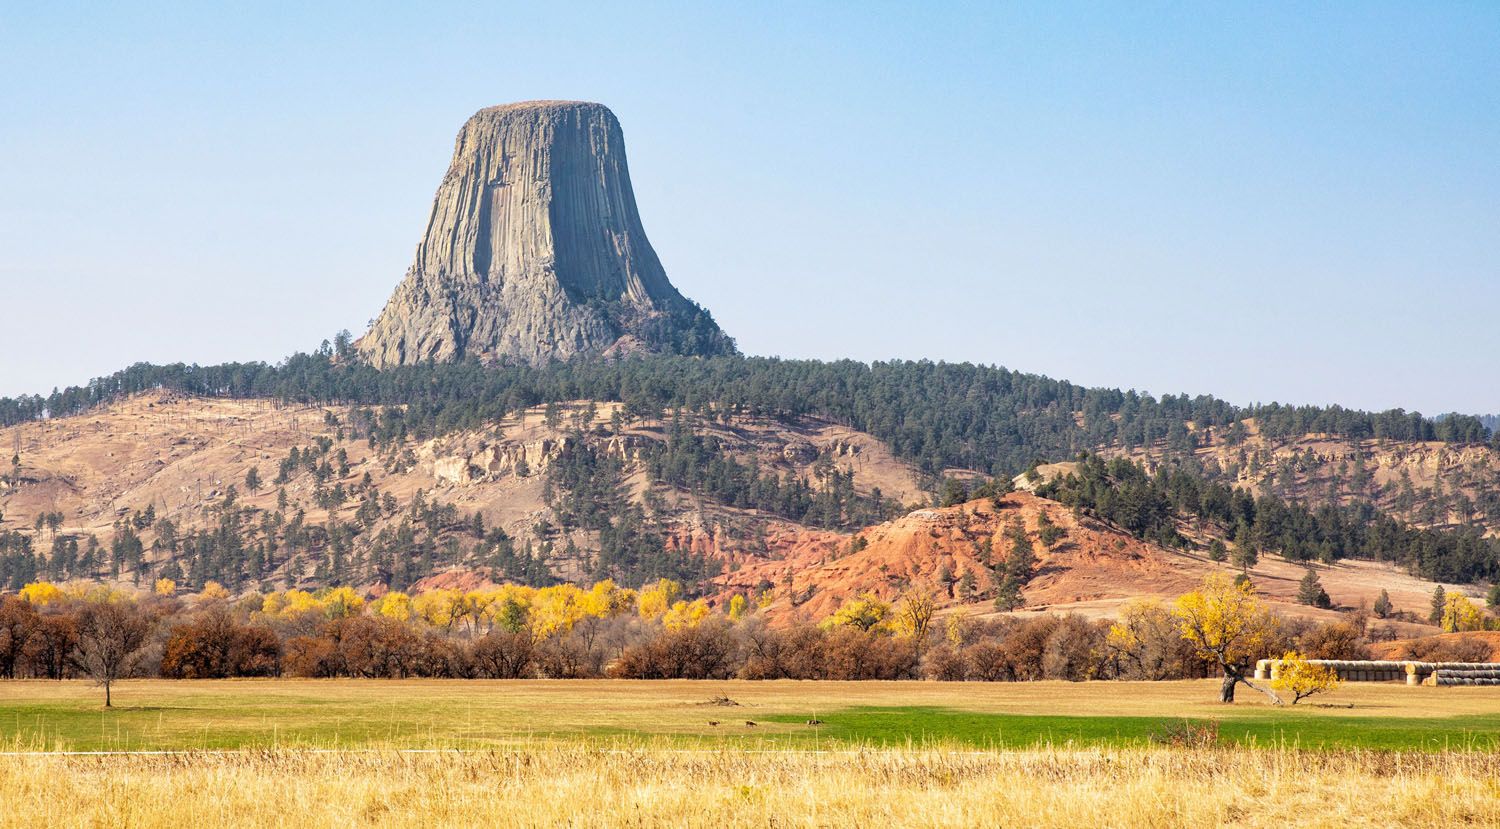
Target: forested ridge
(936,415)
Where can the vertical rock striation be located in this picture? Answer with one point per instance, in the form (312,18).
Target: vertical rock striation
(534,251)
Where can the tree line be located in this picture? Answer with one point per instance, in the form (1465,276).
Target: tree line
(566,631)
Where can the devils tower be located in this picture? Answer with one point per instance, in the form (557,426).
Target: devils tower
(534,251)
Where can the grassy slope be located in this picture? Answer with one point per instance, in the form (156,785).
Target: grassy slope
(154,714)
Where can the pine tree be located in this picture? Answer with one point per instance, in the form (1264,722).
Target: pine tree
(1017,569)
(1382,606)
(1245,555)
(1439,603)
(1217,551)
(1310,591)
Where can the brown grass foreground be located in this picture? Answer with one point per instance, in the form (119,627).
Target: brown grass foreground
(594,785)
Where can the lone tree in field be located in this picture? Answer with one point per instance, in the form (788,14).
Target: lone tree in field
(111,636)
(1302,679)
(1226,623)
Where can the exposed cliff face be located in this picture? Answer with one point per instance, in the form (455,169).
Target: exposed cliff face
(534,250)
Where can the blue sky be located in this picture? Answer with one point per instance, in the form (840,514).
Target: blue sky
(1267,202)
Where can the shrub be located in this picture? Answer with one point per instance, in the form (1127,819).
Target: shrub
(704,651)
(503,655)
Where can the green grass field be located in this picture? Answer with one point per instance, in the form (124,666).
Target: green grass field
(157,714)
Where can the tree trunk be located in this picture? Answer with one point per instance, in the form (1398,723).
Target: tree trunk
(1234,677)
(107,703)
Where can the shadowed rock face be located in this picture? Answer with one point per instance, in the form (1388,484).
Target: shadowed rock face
(534,251)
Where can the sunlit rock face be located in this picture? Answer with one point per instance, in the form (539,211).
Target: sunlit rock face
(534,251)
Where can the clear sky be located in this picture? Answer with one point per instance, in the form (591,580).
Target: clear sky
(1294,202)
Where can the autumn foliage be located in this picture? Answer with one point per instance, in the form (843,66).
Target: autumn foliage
(606,630)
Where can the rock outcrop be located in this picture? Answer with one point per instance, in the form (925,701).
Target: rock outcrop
(534,251)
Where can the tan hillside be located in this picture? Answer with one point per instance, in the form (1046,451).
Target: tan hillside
(1092,569)
(1471,646)
(180,455)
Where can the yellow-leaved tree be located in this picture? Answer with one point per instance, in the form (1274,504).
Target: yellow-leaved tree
(290,603)
(393,605)
(607,599)
(441,609)
(1460,615)
(165,587)
(42,593)
(1226,623)
(737,606)
(865,611)
(1147,641)
(477,608)
(914,617)
(956,629)
(556,610)
(656,599)
(510,608)
(1302,679)
(684,615)
(341,602)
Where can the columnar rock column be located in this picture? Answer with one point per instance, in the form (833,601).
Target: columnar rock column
(534,251)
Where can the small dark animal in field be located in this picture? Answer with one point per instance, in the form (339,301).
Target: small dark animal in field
(714,723)
(814,722)
(750,723)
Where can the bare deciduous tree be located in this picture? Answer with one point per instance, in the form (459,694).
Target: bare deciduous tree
(111,637)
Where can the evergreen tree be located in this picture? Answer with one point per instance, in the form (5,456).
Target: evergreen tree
(1439,603)
(1310,591)
(1217,551)
(1382,606)
(954,492)
(1017,570)
(1245,554)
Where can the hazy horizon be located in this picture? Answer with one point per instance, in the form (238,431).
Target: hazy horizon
(1258,204)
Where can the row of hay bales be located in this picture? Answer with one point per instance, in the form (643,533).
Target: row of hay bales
(1412,672)
(1481,676)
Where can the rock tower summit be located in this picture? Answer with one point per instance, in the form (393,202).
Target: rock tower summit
(534,251)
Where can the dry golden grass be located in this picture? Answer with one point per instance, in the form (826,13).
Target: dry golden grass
(591,785)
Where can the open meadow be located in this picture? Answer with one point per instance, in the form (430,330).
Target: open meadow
(476,714)
(619,753)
